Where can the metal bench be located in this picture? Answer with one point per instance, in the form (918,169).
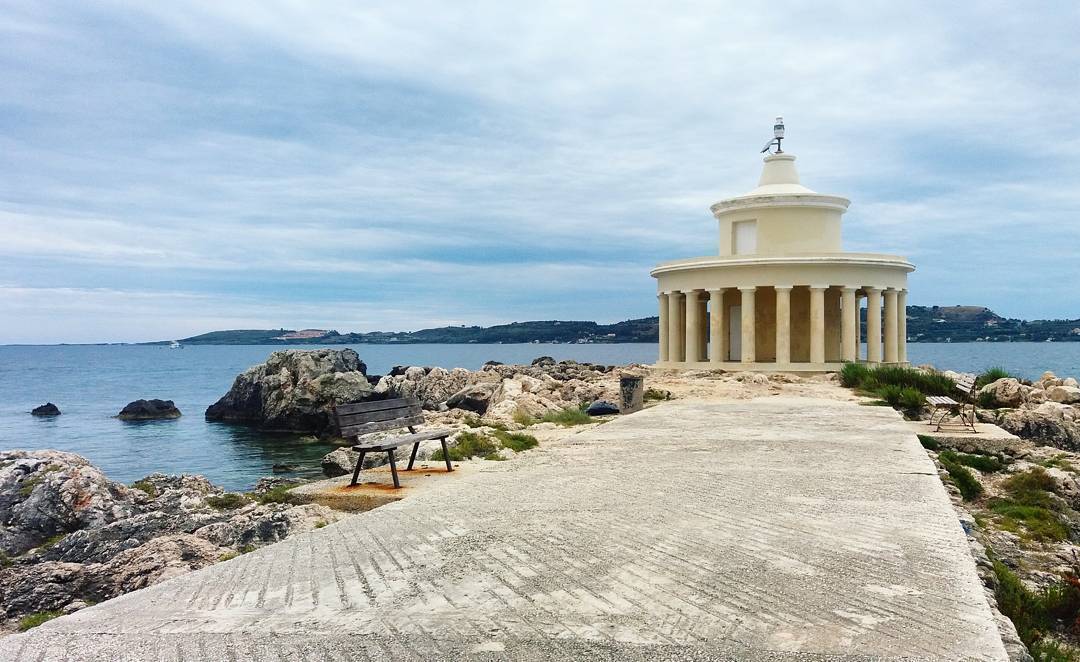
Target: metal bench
(362,418)
(942,406)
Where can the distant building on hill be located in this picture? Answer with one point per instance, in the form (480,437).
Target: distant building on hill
(781,294)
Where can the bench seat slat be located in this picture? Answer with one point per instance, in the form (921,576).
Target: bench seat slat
(941,400)
(374,405)
(387,444)
(381,426)
(346,420)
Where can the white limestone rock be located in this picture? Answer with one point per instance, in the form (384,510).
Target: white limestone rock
(1007,392)
(1064,394)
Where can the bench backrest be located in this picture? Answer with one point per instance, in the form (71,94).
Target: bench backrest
(361,418)
(966,385)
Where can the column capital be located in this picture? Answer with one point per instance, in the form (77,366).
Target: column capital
(818,287)
(783,287)
(690,293)
(847,288)
(717,290)
(891,289)
(871,288)
(752,288)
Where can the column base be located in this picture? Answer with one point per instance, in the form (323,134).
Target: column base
(738,366)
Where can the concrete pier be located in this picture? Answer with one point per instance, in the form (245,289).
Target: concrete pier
(770,529)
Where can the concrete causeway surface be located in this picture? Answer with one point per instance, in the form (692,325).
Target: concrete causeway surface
(769,529)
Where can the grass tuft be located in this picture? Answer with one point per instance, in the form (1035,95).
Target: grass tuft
(516,441)
(5,560)
(1030,507)
(36,619)
(469,445)
(227,501)
(567,417)
(1034,613)
(276,494)
(656,394)
(985,463)
(969,485)
(146,486)
(524,418)
(991,375)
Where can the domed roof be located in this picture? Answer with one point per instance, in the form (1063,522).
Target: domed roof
(779,177)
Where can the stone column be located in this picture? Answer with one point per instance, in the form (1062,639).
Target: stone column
(873,325)
(849,325)
(817,323)
(901,310)
(664,343)
(675,339)
(703,342)
(717,339)
(693,327)
(749,327)
(859,325)
(891,328)
(783,324)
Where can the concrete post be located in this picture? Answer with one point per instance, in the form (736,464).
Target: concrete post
(693,327)
(749,327)
(873,325)
(892,330)
(664,348)
(849,325)
(717,339)
(675,338)
(783,324)
(817,323)
(901,308)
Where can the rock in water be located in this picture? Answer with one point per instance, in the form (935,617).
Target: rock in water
(602,408)
(295,390)
(148,410)
(47,409)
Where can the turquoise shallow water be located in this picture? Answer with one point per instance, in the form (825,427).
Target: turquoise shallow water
(91,384)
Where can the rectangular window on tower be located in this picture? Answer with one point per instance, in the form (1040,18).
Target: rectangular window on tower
(744,237)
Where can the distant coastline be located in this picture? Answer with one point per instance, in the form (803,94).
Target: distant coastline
(925,324)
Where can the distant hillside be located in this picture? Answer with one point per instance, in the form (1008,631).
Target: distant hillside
(639,330)
(925,324)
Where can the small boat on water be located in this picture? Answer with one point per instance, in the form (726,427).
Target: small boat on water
(175,345)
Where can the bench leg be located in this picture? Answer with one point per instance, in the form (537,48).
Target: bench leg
(412,458)
(446,454)
(393,467)
(356,471)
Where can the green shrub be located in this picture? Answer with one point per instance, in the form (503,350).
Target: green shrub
(321,523)
(146,486)
(468,445)
(991,375)
(27,488)
(226,501)
(52,540)
(929,443)
(986,400)
(227,556)
(853,374)
(890,393)
(984,463)
(516,441)
(1034,612)
(36,619)
(567,417)
(276,494)
(911,398)
(1030,506)
(929,383)
(5,560)
(656,394)
(1060,462)
(969,485)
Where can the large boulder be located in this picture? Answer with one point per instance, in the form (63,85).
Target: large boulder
(1046,423)
(47,409)
(1066,395)
(1006,392)
(475,398)
(45,494)
(431,386)
(149,410)
(295,390)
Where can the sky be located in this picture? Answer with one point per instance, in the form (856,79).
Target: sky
(172,168)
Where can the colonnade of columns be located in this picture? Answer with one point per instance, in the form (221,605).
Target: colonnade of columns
(694,325)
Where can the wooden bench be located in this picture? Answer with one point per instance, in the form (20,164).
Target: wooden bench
(362,418)
(943,406)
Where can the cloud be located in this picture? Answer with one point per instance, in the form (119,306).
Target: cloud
(491,161)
